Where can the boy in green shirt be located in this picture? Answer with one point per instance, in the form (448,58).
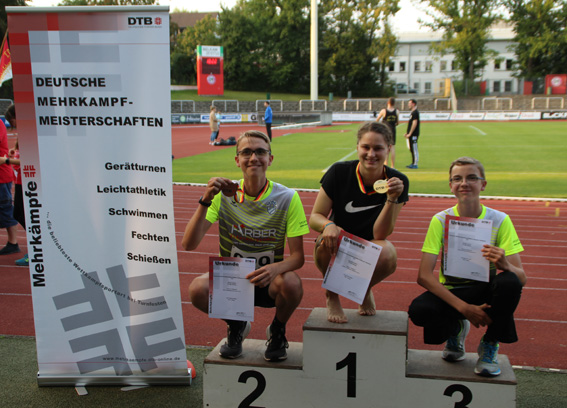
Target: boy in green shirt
(451,304)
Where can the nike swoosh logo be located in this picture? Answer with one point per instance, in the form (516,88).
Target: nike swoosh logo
(350,209)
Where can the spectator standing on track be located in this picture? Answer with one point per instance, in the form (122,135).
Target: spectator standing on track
(451,304)
(270,213)
(347,201)
(6,207)
(391,116)
(412,134)
(213,124)
(268,119)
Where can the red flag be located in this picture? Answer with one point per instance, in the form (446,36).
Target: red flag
(5,62)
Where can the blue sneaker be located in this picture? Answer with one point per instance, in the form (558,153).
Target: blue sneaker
(412,166)
(487,364)
(25,261)
(455,346)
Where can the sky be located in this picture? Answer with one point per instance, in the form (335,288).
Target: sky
(405,20)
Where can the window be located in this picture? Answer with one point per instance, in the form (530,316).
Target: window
(427,89)
(416,86)
(417,66)
(496,86)
(402,67)
(509,65)
(428,66)
(443,66)
(497,65)
(454,65)
(392,67)
(508,86)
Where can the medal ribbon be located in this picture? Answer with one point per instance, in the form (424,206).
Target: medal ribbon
(239,195)
(361,182)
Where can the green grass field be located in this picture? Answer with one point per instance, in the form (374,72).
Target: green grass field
(522,159)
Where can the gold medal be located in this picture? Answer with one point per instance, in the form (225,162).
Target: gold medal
(381,186)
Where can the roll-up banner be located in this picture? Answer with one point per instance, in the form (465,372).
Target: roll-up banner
(91,88)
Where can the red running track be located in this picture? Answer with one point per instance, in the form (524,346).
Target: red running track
(541,316)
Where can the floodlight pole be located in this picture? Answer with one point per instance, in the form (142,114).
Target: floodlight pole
(314,52)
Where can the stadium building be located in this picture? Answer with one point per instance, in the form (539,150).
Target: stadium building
(415,69)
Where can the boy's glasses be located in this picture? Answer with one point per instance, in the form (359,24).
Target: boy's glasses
(247,153)
(469,179)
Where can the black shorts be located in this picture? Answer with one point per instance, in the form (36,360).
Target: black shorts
(262,297)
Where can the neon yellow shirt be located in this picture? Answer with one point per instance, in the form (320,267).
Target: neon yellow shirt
(503,236)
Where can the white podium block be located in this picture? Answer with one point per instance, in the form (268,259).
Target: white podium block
(434,378)
(249,380)
(363,363)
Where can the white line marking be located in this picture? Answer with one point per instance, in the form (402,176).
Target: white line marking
(478,130)
(341,159)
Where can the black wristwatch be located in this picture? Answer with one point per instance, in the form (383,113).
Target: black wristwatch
(204,204)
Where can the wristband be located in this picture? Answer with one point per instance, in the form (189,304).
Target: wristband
(326,225)
(7,160)
(204,204)
(393,202)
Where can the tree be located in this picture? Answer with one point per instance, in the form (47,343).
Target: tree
(384,49)
(266,45)
(466,27)
(183,55)
(541,36)
(351,54)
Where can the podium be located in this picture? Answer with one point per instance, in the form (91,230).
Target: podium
(363,363)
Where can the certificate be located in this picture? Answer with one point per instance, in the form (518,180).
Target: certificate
(351,269)
(464,239)
(231,295)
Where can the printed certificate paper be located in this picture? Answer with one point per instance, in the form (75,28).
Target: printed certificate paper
(351,269)
(464,239)
(231,295)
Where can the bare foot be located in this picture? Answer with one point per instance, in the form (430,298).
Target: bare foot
(368,307)
(335,312)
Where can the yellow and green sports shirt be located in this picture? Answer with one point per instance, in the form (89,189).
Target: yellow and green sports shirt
(503,236)
(258,229)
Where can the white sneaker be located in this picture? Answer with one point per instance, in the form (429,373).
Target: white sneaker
(487,364)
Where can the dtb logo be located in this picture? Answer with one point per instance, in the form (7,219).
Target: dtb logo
(143,21)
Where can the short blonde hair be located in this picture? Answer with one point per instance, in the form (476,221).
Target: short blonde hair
(254,133)
(462,161)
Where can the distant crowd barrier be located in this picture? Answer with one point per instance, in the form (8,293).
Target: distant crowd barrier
(547,100)
(313,101)
(497,100)
(271,103)
(225,101)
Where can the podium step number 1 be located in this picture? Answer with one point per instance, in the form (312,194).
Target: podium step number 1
(364,363)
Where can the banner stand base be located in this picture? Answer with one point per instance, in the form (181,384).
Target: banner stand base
(83,381)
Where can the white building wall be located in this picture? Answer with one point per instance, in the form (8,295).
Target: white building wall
(416,66)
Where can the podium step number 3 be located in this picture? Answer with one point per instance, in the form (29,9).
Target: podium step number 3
(364,363)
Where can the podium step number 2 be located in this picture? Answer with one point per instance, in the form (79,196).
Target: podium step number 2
(364,363)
